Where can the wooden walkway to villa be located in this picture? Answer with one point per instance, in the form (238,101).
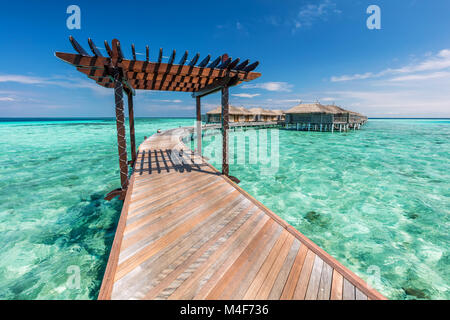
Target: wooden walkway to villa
(188,232)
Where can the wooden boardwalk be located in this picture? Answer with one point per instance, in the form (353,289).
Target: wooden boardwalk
(187,232)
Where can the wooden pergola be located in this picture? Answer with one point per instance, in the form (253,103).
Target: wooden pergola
(201,79)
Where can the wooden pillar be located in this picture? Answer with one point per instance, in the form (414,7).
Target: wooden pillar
(225,127)
(131,122)
(199,125)
(121,142)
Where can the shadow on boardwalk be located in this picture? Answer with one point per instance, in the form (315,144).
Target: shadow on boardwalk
(168,160)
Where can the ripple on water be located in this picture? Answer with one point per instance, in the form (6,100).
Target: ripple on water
(53,215)
(378,198)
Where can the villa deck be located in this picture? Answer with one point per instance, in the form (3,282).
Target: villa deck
(188,232)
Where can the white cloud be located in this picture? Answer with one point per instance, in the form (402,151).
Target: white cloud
(61,81)
(270,86)
(245,95)
(7,99)
(420,77)
(21,79)
(439,62)
(285,100)
(309,13)
(426,102)
(352,77)
(171,101)
(328,99)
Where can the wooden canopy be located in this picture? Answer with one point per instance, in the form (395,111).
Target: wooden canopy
(186,76)
(200,78)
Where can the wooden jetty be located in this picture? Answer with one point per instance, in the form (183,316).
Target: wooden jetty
(186,231)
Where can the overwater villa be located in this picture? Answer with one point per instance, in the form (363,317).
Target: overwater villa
(241,114)
(260,114)
(318,117)
(237,114)
(279,114)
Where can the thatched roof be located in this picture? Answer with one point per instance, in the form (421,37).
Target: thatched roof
(335,109)
(310,108)
(261,111)
(278,112)
(232,110)
(319,108)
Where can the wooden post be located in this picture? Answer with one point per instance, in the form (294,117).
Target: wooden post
(199,125)
(121,142)
(131,122)
(225,127)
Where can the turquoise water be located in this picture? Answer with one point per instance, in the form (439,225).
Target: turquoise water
(54,175)
(377,199)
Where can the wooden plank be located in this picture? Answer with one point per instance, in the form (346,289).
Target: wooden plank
(245,218)
(205,61)
(282,276)
(149,251)
(303,279)
(150,235)
(181,187)
(247,264)
(258,280)
(108,278)
(180,249)
(194,245)
(291,283)
(167,207)
(224,256)
(314,280)
(151,67)
(359,295)
(325,282)
(94,48)
(275,270)
(183,58)
(77,46)
(348,290)
(337,286)
(152,223)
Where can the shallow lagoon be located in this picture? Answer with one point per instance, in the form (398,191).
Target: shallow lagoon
(54,175)
(377,199)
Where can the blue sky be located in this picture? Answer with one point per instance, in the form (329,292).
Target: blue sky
(308,50)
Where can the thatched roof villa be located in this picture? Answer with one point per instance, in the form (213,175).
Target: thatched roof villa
(318,117)
(237,114)
(241,114)
(279,114)
(260,114)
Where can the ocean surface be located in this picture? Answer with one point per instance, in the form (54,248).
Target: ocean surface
(377,199)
